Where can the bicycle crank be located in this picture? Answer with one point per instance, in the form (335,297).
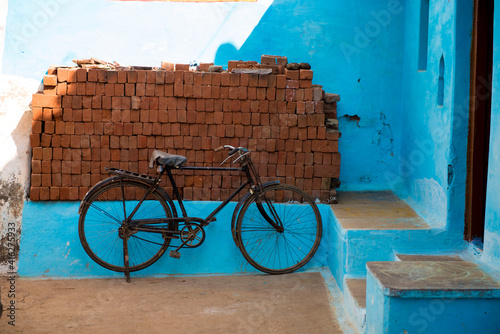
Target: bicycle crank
(192,235)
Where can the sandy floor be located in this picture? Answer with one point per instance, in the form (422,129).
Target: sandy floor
(294,303)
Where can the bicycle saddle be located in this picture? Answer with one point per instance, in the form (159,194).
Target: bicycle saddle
(166,159)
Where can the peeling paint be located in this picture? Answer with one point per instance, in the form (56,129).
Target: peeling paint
(354,118)
(11,195)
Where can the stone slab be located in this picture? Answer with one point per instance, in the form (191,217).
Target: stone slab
(434,279)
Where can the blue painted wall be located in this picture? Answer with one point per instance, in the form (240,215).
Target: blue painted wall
(50,246)
(354,48)
(433,148)
(492,229)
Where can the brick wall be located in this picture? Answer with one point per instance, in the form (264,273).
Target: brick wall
(87,119)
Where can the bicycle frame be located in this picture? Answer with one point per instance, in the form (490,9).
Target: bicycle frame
(139,224)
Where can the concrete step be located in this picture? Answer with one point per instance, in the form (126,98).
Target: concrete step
(355,288)
(445,296)
(355,301)
(376,225)
(375,210)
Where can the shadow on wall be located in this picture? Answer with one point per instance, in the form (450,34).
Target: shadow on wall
(225,53)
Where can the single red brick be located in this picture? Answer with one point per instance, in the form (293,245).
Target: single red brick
(280,94)
(77,102)
(263,80)
(112,76)
(37,113)
(271,94)
(71,89)
(34,193)
(281,81)
(306,74)
(34,140)
(234,79)
(121,77)
(178,89)
(292,84)
(45,140)
(73,194)
(46,180)
(292,74)
(216,79)
(233,93)
(81,75)
(36,127)
(181,67)
(50,90)
(61,88)
(253,80)
(50,80)
(72,76)
(87,102)
(272,81)
(49,127)
(305,84)
(62,74)
(102,75)
(46,101)
(188,78)
(261,93)
(36,180)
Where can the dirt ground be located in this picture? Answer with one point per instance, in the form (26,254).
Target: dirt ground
(293,303)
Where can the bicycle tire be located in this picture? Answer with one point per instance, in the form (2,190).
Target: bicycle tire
(276,252)
(102,216)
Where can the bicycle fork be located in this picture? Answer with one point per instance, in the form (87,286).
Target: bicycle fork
(276,222)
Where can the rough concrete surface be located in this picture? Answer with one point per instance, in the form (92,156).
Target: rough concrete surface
(375,210)
(293,303)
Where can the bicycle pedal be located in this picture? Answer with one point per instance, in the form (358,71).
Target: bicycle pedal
(175,255)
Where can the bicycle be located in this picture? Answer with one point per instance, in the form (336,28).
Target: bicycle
(128,220)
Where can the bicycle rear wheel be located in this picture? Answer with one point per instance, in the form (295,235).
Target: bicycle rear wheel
(275,252)
(103,216)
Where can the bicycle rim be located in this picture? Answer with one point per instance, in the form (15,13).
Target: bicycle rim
(103,215)
(269,250)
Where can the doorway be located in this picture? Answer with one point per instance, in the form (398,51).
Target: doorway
(479,119)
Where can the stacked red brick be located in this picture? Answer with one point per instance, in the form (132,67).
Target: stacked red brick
(87,119)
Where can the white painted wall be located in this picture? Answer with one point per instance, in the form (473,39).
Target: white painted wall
(15,127)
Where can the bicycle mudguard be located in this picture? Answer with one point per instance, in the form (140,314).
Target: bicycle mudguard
(112,179)
(240,204)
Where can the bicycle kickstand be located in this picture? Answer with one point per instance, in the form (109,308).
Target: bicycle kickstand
(125,257)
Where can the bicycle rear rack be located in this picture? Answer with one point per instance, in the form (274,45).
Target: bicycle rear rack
(130,175)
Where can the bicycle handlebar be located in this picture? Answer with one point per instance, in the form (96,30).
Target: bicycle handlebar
(233,150)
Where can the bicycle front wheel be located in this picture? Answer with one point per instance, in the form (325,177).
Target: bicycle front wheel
(102,220)
(273,251)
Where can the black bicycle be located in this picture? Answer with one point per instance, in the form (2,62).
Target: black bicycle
(128,221)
